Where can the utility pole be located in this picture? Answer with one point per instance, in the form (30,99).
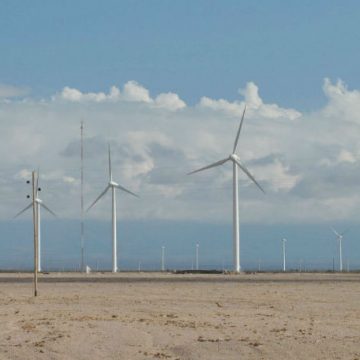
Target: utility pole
(35,208)
(82,195)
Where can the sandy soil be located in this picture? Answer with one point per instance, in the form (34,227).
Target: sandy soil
(163,316)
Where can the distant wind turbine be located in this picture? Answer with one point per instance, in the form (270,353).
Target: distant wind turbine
(39,204)
(235,159)
(113,186)
(284,253)
(340,238)
(197,257)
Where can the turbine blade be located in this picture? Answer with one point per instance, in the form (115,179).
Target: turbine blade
(218,163)
(335,232)
(345,231)
(47,209)
(110,171)
(126,190)
(22,211)
(98,198)
(247,172)
(238,133)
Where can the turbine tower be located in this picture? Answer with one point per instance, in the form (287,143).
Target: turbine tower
(284,254)
(163,258)
(340,238)
(235,159)
(197,257)
(113,186)
(39,204)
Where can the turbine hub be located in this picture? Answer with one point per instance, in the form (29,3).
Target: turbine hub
(113,183)
(234,157)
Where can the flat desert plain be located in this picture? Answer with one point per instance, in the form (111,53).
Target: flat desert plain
(168,316)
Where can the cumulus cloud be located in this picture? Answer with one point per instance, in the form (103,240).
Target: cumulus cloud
(169,101)
(305,161)
(131,92)
(254,103)
(342,101)
(136,92)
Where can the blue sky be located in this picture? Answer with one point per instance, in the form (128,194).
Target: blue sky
(165,83)
(193,48)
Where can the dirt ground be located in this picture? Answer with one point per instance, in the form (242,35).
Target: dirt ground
(167,316)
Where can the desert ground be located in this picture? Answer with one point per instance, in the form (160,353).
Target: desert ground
(171,316)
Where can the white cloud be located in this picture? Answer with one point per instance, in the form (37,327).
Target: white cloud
(169,101)
(23,174)
(10,91)
(342,102)
(132,92)
(136,92)
(255,105)
(346,156)
(69,180)
(304,160)
(74,95)
(277,175)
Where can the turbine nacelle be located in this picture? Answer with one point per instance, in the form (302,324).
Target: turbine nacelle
(234,157)
(338,235)
(113,183)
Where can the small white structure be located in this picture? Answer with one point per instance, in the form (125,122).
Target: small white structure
(340,239)
(284,253)
(163,258)
(197,257)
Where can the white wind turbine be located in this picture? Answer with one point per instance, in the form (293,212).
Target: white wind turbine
(284,253)
(39,204)
(235,159)
(113,186)
(340,238)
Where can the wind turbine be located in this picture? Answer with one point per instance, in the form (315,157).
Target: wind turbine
(235,159)
(113,186)
(163,258)
(340,238)
(284,253)
(39,204)
(197,257)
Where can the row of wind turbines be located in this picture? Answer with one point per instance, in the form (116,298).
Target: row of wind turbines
(113,186)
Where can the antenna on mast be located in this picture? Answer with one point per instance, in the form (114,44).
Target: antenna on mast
(82,240)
